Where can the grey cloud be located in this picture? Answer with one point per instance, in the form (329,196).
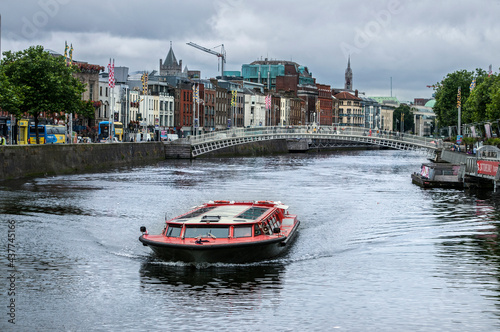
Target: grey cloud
(415,42)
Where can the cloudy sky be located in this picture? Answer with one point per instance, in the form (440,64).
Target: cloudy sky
(416,43)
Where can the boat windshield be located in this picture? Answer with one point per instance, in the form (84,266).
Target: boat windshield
(173,231)
(206,232)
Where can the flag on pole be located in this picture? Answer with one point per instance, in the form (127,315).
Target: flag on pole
(473,131)
(473,84)
(71,54)
(65,51)
(490,72)
(268,102)
(196,93)
(487,128)
(233,97)
(459,97)
(144,80)
(111,70)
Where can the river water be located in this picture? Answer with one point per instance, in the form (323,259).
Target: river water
(374,252)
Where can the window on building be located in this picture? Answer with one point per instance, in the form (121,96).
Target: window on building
(91,91)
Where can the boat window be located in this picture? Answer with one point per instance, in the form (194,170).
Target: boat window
(173,231)
(204,232)
(252,213)
(268,227)
(242,231)
(198,212)
(274,223)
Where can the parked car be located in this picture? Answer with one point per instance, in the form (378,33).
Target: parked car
(115,140)
(84,139)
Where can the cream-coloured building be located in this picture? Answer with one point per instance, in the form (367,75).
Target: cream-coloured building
(350,110)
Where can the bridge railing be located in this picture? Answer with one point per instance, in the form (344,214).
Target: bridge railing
(326,132)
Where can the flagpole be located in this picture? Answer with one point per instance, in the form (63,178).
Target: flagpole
(195,111)
(110,139)
(194,97)
(111,85)
(198,107)
(459,104)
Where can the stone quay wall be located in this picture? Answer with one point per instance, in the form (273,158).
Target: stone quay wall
(260,148)
(52,159)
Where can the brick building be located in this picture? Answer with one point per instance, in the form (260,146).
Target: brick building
(325,100)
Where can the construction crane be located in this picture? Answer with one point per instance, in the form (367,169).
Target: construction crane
(221,55)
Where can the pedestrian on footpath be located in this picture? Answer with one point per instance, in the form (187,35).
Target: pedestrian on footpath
(3,141)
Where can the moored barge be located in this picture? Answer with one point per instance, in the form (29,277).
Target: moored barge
(438,175)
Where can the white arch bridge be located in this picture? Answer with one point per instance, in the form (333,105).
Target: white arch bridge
(321,137)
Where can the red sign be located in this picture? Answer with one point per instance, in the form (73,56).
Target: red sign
(487,167)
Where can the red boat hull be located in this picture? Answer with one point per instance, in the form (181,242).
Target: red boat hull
(222,253)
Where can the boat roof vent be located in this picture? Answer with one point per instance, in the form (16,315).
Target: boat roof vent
(210,218)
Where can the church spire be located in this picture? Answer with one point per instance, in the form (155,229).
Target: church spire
(348,75)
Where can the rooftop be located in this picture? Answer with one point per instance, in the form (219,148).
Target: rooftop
(346,96)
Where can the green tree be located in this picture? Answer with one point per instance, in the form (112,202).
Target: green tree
(403,112)
(474,108)
(46,83)
(446,97)
(493,108)
(11,98)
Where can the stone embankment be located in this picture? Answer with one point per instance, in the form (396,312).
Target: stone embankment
(51,159)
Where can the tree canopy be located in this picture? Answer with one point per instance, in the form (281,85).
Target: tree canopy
(481,104)
(447,94)
(11,97)
(403,112)
(33,81)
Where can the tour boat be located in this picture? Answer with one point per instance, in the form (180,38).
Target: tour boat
(441,175)
(225,231)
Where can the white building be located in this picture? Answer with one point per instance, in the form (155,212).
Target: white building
(106,97)
(254,109)
(285,111)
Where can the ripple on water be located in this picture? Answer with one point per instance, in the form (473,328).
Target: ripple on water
(373,250)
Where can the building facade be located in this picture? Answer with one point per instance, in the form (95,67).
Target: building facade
(350,110)
(325,100)
(371,111)
(254,108)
